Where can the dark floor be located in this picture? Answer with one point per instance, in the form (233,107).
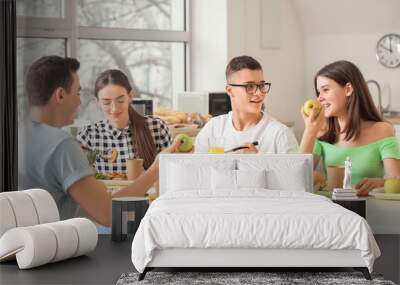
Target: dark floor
(389,262)
(110,260)
(102,266)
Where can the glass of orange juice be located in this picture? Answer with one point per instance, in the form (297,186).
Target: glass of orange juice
(216,145)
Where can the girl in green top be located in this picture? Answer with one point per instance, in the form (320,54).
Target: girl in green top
(350,125)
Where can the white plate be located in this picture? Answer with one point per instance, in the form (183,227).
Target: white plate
(189,129)
(379,194)
(116,182)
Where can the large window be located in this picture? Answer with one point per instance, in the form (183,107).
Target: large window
(40,8)
(133,14)
(28,50)
(146,39)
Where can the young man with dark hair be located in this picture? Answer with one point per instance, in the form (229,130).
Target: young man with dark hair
(50,158)
(247,122)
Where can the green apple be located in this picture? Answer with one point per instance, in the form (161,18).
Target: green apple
(186,143)
(311,104)
(392,185)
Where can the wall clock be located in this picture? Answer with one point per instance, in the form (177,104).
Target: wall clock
(388,50)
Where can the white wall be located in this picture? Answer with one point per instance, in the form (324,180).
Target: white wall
(209,45)
(283,66)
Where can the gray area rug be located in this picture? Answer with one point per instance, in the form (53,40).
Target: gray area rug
(225,278)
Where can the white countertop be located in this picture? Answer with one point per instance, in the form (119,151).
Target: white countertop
(383,215)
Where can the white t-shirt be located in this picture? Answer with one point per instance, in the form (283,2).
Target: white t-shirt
(272,136)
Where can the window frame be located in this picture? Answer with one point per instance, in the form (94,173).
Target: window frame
(67,28)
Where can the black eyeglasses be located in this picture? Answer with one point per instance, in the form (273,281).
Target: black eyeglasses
(251,88)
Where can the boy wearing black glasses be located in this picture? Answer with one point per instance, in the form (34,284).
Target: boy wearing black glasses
(247,122)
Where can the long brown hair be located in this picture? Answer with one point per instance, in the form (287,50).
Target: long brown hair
(142,139)
(359,105)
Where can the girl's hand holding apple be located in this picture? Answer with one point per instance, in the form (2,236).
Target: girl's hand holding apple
(313,115)
(171,149)
(174,147)
(314,119)
(181,143)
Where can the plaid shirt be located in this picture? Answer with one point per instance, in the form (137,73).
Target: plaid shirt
(103,137)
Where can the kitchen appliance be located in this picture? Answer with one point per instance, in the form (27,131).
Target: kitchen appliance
(379,102)
(219,103)
(143,106)
(214,103)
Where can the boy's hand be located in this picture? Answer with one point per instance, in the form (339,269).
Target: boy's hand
(250,148)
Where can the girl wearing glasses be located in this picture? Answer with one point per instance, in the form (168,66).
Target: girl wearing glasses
(247,122)
(350,126)
(124,134)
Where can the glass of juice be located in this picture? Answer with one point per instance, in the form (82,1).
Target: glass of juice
(216,145)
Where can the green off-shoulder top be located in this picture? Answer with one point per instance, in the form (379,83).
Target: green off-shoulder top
(367,160)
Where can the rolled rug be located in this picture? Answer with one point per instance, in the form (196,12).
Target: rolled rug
(7,220)
(31,246)
(87,235)
(45,205)
(67,240)
(40,244)
(23,208)
(26,208)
